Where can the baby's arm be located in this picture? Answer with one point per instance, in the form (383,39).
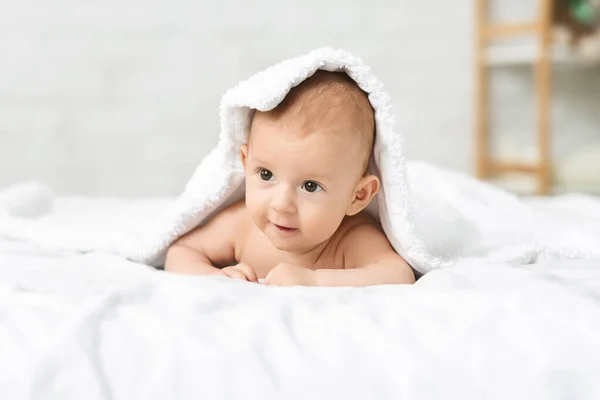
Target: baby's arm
(369,260)
(212,244)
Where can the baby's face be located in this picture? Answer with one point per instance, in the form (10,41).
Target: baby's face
(299,186)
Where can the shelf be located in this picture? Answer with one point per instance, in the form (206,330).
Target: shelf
(518,167)
(496,31)
(533,47)
(528,54)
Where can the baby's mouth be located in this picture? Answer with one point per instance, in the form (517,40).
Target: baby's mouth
(284,229)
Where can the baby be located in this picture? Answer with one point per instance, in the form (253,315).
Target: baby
(302,220)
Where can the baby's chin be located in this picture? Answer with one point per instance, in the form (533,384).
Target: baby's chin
(290,242)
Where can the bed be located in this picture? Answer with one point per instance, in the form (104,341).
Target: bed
(92,325)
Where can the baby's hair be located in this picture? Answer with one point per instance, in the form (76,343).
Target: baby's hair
(323,97)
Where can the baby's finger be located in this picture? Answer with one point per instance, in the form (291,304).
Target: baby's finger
(248,271)
(271,279)
(235,274)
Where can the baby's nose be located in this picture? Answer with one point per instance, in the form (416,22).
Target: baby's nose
(283,201)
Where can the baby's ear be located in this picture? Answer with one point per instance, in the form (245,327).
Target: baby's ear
(244,154)
(364,192)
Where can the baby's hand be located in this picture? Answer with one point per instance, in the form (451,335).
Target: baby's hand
(242,272)
(286,274)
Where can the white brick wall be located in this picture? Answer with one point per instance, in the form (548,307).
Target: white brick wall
(121,97)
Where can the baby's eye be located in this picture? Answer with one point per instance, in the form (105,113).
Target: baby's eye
(265,174)
(311,186)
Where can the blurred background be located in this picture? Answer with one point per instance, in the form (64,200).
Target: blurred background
(121,98)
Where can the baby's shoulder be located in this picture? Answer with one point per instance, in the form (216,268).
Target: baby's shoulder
(238,208)
(362,240)
(234,215)
(359,226)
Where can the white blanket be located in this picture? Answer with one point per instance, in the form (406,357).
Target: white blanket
(433,218)
(96,326)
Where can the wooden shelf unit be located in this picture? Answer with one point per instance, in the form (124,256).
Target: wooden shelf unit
(539,28)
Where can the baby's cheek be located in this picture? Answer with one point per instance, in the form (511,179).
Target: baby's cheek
(323,223)
(256,208)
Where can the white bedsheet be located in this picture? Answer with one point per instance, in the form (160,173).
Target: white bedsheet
(96,326)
